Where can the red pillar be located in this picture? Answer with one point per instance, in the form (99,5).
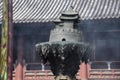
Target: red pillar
(19,66)
(24,70)
(10,40)
(88,69)
(83,71)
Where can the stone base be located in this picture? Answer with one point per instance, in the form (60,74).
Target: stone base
(64,78)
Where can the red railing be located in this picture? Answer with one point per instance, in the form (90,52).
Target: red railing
(107,72)
(38,75)
(93,73)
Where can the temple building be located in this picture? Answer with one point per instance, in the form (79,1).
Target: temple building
(33,19)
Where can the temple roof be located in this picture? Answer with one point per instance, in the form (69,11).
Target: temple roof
(49,10)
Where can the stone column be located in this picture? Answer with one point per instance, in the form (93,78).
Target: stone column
(108,64)
(19,66)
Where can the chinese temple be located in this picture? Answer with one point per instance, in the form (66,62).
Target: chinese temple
(32,21)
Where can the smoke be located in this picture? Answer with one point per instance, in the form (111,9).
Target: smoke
(31,33)
(103,36)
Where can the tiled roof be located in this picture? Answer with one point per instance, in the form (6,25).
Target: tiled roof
(48,10)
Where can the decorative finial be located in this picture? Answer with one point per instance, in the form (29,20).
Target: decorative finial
(69,14)
(70,8)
